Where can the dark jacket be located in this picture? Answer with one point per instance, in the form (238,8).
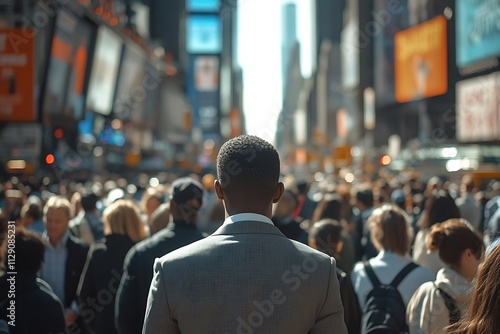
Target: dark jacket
(101,275)
(352,312)
(138,273)
(77,255)
(291,229)
(37,308)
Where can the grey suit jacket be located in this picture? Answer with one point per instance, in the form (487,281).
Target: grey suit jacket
(246,277)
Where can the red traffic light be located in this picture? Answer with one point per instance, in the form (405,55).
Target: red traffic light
(50,159)
(58,133)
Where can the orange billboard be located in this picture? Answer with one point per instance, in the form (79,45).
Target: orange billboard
(17,76)
(420,61)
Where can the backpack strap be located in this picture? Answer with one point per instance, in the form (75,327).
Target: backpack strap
(371,274)
(403,273)
(450,305)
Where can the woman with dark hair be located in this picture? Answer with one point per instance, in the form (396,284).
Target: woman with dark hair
(37,308)
(439,207)
(325,236)
(485,306)
(332,207)
(438,304)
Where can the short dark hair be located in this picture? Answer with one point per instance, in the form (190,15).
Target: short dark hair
(326,233)
(439,207)
(248,161)
(89,201)
(30,250)
(365,195)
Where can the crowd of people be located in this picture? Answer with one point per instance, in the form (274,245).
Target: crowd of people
(250,250)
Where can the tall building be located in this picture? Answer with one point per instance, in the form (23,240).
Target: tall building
(289,39)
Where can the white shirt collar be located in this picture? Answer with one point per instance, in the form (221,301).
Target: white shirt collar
(240,217)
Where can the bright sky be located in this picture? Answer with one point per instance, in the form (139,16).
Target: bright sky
(259,53)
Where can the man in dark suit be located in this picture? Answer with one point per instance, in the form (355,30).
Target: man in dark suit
(247,277)
(65,258)
(185,200)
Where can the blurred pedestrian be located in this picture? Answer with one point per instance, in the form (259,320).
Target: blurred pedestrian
(325,236)
(64,258)
(104,267)
(186,199)
(391,234)
(438,304)
(37,309)
(439,207)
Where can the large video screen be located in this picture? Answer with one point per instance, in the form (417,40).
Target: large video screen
(66,79)
(104,73)
(131,91)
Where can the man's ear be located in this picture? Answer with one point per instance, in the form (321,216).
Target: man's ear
(280,189)
(218,190)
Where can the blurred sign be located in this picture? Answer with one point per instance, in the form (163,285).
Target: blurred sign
(478,30)
(21,141)
(206,73)
(421,61)
(203,5)
(478,108)
(203,34)
(342,156)
(66,77)
(203,92)
(17,75)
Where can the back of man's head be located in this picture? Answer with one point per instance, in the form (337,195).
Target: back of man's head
(249,163)
(89,201)
(186,196)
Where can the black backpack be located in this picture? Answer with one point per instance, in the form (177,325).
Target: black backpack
(384,311)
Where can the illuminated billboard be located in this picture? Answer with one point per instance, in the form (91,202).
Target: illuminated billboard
(203,34)
(478,108)
(420,67)
(478,30)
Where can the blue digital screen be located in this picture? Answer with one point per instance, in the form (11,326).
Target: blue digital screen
(478,30)
(203,34)
(203,5)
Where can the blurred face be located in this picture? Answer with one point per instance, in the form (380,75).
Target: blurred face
(152,204)
(56,224)
(470,264)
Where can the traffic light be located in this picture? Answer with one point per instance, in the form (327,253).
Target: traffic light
(50,159)
(58,133)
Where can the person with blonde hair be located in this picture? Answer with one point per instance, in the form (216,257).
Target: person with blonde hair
(438,304)
(391,234)
(104,267)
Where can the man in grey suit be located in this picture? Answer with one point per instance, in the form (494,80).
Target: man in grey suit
(247,277)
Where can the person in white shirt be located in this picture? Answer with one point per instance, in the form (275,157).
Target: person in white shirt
(391,234)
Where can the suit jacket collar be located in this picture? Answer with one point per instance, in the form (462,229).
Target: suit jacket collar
(248,227)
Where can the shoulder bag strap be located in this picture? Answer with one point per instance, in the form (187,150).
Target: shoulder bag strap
(402,274)
(371,274)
